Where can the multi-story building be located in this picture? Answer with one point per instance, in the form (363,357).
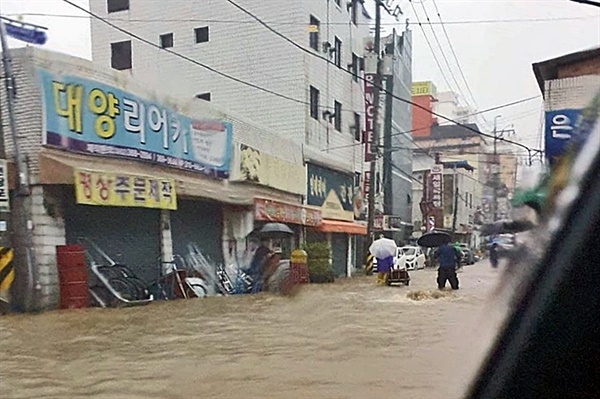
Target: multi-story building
(302,78)
(397,154)
(227,57)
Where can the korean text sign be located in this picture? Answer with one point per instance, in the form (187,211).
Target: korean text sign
(85,116)
(120,189)
(322,180)
(437,188)
(4,195)
(560,127)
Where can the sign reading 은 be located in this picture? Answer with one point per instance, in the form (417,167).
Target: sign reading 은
(120,189)
(86,116)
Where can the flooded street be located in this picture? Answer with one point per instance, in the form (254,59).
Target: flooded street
(350,339)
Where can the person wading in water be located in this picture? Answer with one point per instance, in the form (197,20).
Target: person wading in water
(449,259)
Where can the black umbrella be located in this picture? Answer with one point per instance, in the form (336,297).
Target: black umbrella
(275,229)
(434,239)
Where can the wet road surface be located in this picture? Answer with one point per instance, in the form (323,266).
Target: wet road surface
(350,339)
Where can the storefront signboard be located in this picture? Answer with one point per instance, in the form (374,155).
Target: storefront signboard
(274,211)
(267,170)
(120,189)
(560,126)
(436,185)
(81,115)
(331,190)
(4,193)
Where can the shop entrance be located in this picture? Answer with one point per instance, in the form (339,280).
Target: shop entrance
(339,250)
(130,236)
(199,223)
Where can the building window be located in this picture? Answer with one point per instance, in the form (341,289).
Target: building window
(120,57)
(203,96)
(314,103)
(355,67)
(408,199)
(338,52)
(357,127)
(117,5)
(337,112)
(313,36)
(357,179)
(166,40)
(201,34)
(354,12)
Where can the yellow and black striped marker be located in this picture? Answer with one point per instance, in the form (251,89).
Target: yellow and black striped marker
(7,272)
(369,265)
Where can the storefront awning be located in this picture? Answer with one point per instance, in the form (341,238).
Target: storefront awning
(57,167)
(336,226)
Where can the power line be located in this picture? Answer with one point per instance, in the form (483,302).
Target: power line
(310,52)
(273,92)
(287,23)
(435,58)
(454,55)
(399,133)
(437,40)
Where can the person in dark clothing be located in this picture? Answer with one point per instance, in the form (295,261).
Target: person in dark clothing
(449,259)
(494,255)
(261,256)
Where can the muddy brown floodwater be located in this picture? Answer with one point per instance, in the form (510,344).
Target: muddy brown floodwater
(350,339)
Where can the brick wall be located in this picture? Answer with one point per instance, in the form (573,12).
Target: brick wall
(573,92)
(48,232)
(587,67)
(246,50)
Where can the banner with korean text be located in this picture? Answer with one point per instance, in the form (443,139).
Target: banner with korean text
(437,186)
(81,115)
(120,189)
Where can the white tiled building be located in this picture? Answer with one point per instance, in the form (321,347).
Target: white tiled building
(223,37)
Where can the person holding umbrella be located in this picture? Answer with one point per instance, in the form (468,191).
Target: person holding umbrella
(384,249)
(446,254)
(449,258)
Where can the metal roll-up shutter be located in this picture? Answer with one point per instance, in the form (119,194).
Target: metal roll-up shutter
(339,250)
(130,236)
(199,223)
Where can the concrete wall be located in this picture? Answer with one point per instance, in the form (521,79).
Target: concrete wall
(248,51)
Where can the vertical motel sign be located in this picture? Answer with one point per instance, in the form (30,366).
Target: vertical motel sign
(436,185)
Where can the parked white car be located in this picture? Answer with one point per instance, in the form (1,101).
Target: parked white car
(414,258)
(400,260)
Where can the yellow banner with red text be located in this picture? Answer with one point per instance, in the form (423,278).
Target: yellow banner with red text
(121,189)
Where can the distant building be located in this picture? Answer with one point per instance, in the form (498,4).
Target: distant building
(424,95)
(448,104)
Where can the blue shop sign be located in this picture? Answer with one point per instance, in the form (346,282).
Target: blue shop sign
(86,116)
(322,180)
(560,128)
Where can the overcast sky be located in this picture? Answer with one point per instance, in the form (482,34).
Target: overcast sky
(495,58)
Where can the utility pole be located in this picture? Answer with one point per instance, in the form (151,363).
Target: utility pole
(21,204)
(495,174)
(455,206)
(375,137)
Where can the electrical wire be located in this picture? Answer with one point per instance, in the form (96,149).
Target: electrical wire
(462,74)
(437,40)
(435,58)
(273,92)
(310,52)
(287,23)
